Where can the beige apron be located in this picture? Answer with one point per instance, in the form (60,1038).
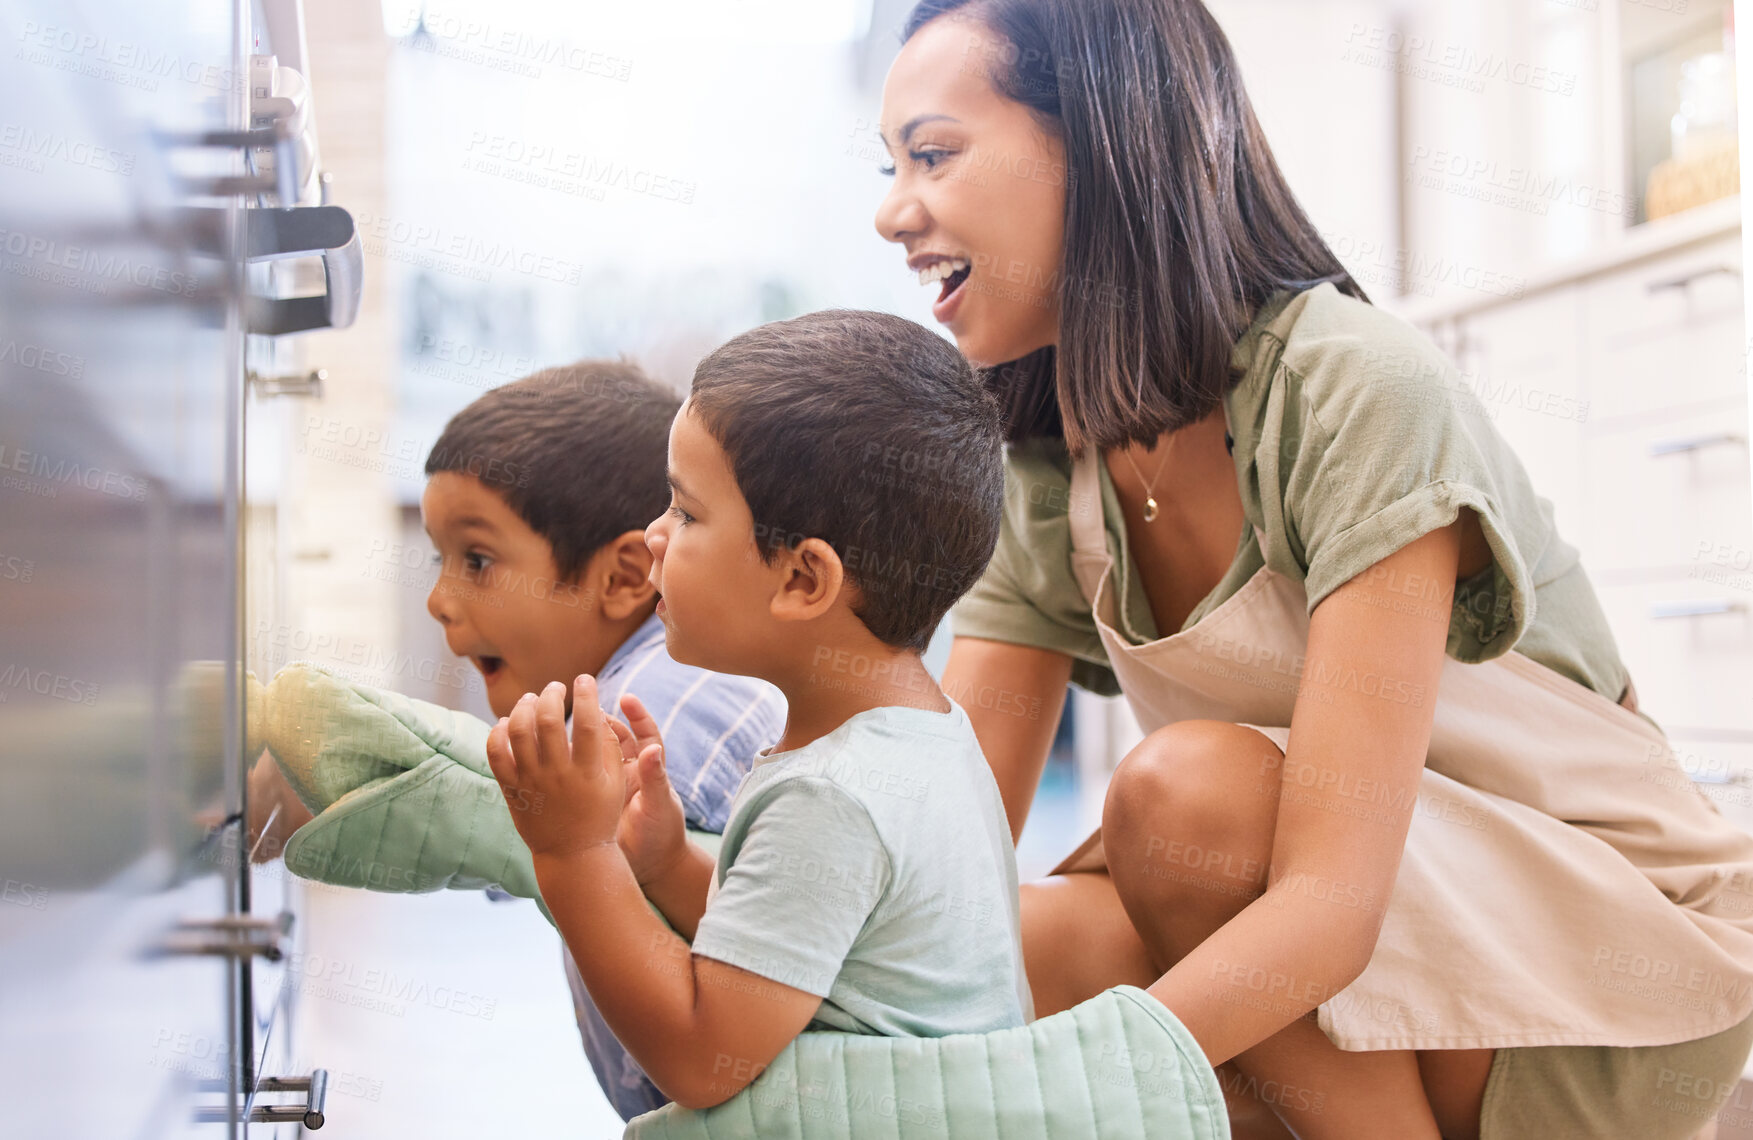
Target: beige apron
(1563,882)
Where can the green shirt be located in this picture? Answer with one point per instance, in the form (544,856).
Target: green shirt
(1353,436)
(873,867)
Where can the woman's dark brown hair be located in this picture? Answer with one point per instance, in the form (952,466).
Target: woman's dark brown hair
(1173,204)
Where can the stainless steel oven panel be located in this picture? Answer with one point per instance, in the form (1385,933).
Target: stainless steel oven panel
(142,960)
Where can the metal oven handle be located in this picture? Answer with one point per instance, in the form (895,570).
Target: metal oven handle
(311,1113)
(307,231)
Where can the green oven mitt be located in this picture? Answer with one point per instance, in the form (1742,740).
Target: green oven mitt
(1119,1066)
(403,797)
(405,802)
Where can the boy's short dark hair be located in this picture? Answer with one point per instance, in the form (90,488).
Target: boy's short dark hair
(579,452)
(871,433)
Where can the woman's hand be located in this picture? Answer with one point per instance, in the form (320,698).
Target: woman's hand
(653,831)
(564,797)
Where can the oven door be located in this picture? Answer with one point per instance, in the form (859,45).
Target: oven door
(142,959)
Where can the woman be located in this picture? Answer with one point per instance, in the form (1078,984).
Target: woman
(1397,849)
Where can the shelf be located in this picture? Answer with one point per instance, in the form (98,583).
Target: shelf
(1638,243)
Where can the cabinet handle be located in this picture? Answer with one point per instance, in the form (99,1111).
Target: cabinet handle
(1685,281)
(1667,611)
(1696,443)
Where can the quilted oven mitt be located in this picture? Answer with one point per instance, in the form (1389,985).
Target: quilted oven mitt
(405,802)
(1119,1065)
(403,796)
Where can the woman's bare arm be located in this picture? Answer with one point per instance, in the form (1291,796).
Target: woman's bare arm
(1014,695)
(1362,719)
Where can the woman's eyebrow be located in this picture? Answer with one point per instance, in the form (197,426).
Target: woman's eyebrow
(914,124)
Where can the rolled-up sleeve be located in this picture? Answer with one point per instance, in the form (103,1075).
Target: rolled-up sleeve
(1391,445)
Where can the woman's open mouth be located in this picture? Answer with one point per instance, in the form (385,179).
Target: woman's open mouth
(489,666)
(953,274)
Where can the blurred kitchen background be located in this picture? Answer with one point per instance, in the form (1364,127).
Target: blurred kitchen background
(1550,187)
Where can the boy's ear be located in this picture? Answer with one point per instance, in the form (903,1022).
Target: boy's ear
(813,579)
(624,569)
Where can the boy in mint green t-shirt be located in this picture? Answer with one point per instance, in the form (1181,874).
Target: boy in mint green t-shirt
(867,881)
(872,867)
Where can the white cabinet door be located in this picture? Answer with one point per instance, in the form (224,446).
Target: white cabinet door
(1688,643)
(1523,361)
(1665,336)
(1673,497)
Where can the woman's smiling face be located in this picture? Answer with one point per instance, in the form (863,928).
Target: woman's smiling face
(979,189)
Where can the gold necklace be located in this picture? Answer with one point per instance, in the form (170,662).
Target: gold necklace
(1150,507)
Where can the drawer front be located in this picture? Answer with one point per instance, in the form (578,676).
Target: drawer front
(1693,670)
(1666,333)
(1670,496)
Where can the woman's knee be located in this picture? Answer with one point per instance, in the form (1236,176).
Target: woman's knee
(1199,782)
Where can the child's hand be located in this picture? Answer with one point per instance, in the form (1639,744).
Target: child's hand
(564,797)
(653,828)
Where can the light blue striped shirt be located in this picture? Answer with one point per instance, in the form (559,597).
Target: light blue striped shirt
(713,725)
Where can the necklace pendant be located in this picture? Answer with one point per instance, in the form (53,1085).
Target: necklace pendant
(1149,509)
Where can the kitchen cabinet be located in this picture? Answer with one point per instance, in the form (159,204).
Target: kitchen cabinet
(1665,336)
(1651,481)
(1523,363)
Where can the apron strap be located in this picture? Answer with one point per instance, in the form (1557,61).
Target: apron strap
(1088,535)
(1090,560)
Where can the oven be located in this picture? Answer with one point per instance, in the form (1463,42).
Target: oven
(169,260)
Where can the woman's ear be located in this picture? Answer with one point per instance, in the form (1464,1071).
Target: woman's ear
(813,578)
(623,567)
